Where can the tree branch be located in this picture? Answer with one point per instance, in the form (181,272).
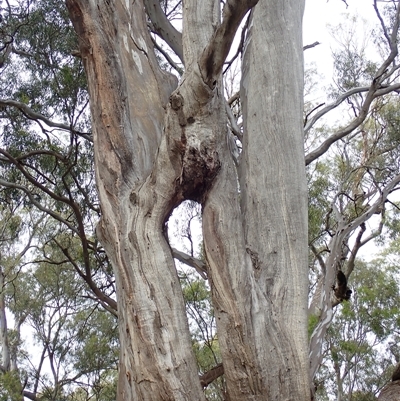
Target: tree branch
(333,105)
(375,90)
(30,395)
(232,122)
(374,208)
(38,205)
(163,27)
(373,93)
(104,299)
(353,253)
(311,46)
(318,257)
(198,264)
(211,375)
(174,65)
(37,116)
(214,55)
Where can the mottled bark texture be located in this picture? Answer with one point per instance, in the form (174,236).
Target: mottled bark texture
(391,392)
(158,143)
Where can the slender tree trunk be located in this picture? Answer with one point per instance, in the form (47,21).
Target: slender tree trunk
(157,144)
(5,348)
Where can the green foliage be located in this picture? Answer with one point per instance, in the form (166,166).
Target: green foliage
(319,185)
(10,387)
(197,297)
(358,342)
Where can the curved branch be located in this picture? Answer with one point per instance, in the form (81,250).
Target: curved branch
(333,105)
(37,116)
(107,302)
(240,47)
(375,90)
(30,395)
(373,93)
(375,208)
(174,65)
(163,27)
(353,253)
(233,123)
(318,257)
(233,98)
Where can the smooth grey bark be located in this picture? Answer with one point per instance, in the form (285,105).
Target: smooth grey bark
(5,348)
(255,241)
(157,144)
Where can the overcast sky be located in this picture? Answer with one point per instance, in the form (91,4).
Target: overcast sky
(319,14)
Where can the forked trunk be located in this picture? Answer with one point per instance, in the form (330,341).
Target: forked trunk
(157,144)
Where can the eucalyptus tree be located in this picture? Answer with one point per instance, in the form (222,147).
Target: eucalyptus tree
(157,144)
(361,346)
(50,326)
(158,141)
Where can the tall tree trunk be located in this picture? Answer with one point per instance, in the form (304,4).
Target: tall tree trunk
(255,241)
(129,95)
(157,144)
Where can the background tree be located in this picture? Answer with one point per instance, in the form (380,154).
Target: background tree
(361,346)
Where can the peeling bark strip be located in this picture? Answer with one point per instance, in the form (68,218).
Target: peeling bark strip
(157,144)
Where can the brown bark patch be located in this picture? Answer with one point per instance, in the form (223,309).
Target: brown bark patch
(391,392)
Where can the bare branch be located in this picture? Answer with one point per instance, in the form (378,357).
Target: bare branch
(167,57)
(232,122)
(312,111)
(30,395)
(375,90)
(319,257)
(233,98)
(375,208)
(37,116)
(378,14)
(163,27)
(240,47)
(199,265)
(311,46)
(211,375)
(357,245)
(373,93)
(333,105)
(107,302)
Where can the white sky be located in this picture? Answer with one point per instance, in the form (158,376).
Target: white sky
(318,15)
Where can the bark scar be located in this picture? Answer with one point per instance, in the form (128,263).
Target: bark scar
(176,101)
(254,259)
